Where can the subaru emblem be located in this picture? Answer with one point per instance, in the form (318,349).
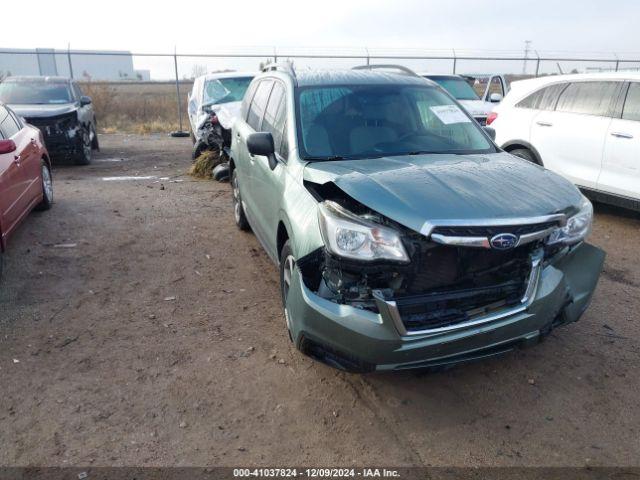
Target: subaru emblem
(504,241)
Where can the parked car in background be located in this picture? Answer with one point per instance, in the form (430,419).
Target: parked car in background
(214,102)
(584,127)
(58,108)
(404,237)
(460,87)
(25,174)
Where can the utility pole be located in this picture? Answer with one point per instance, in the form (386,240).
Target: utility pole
(527,49)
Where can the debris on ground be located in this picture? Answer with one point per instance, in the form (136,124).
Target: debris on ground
(205,163)
(65,245)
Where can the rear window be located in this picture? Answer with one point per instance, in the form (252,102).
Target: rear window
(588,98)
(35,93)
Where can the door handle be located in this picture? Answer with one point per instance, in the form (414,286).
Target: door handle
(17,159)
(544,124)
(621,135)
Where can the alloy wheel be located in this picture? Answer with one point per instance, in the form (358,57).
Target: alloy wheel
(47,184)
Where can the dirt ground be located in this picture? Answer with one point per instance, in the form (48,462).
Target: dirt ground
(159,340)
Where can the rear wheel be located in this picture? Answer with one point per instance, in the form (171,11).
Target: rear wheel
(525,154)
(47,187)
(238,209)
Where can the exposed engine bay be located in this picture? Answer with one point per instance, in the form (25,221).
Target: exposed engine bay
(441,285)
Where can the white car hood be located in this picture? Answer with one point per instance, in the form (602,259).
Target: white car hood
(477,108)
(227,113)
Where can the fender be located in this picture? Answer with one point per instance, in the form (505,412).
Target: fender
(514,144)
(3,241)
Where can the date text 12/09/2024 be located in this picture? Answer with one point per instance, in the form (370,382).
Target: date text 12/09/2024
(315,473)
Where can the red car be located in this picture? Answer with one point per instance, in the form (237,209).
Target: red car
(25,174)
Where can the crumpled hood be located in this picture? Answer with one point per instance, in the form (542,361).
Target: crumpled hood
(413,190)
(43,111)
(477,108)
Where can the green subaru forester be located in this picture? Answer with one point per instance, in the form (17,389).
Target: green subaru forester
(405,238)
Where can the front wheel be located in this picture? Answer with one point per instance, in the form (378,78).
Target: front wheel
(83,157)
(47,187)
(238,209)
(287,267)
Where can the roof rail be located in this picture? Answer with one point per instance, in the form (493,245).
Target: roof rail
(400,68)
(281,66)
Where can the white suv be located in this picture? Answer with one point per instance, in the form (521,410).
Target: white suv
(584,127)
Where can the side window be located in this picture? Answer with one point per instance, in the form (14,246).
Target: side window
(76,90)
(259,104)
(631,109)
(544,99)
(273,106)
(8,125)
(17,119)
(284,144)
(532,101)
(589,98)
(246,101)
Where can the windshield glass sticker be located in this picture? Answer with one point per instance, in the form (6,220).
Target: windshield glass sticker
(449,114)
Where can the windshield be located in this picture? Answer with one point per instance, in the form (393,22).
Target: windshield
(457,87)
(225,90)
(363,121)
(35,93)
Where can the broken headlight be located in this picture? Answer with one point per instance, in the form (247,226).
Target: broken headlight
(577,227)
(349,236)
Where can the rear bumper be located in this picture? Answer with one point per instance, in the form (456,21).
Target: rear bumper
(368,340)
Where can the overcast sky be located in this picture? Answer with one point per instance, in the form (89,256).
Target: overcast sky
(203,27)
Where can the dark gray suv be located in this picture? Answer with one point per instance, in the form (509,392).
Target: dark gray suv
(58,108)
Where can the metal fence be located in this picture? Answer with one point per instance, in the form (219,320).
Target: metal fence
(155,68)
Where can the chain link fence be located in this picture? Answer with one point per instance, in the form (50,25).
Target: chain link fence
(147,92)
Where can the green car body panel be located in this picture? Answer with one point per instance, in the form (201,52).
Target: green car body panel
(417,193)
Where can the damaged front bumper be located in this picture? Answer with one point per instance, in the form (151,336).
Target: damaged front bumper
(62,135)
(356,339)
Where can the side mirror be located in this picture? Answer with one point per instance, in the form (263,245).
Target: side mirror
(491,132)
(262,144)
(7,146)
(84,101)
(495,98)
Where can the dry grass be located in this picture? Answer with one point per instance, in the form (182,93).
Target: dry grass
(137,108)
(204,164)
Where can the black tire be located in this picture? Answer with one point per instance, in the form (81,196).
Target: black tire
(287,264)
(238,209)
(47,187)
(95,143)
(83,157)
(221,172)
(525,154)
